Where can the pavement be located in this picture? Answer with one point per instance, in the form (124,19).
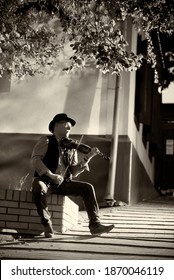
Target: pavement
(104,208)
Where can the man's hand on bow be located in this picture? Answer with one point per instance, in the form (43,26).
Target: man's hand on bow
(55,178)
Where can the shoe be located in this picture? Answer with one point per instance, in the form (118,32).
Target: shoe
(49,235)
(49,232)
(100,229)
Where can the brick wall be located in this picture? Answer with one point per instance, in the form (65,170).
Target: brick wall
(18,212)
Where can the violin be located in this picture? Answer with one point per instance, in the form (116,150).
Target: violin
(68,143)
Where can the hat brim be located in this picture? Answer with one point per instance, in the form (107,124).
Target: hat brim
(71,121)
(53,122)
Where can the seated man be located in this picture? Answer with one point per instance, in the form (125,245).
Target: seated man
(55,166)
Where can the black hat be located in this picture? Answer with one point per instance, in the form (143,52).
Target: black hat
(60,117)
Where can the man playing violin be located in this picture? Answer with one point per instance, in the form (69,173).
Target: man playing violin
(55,169)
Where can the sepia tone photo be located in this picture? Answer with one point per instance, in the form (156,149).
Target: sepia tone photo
(86,130)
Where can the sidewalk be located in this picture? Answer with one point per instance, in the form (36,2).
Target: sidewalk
(144,231)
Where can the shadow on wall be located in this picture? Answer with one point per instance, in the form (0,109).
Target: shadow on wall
(80,97)
(74,95)
(16,171)
(15,168)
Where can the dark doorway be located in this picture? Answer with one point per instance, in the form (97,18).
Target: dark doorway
(164,162)
(167,161)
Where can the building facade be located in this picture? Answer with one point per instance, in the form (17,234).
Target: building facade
(111,112)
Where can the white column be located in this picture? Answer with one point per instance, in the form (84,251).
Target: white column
(109,195)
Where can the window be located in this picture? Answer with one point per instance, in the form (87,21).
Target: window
(169,146)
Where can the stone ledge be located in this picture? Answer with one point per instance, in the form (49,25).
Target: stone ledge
(18,213)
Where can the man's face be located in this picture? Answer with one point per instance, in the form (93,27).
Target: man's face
(62,129)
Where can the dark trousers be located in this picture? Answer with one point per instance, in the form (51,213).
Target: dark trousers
(41,190)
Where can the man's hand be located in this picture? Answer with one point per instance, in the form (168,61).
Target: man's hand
(94,151)
(55,178)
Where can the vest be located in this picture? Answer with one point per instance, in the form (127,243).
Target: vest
(51,157)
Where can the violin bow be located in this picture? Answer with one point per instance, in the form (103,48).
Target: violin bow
(72,156)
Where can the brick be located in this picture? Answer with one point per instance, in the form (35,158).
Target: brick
(56,221)
(36,227)
(71,205)
(2,224)
(61,199)
(49,199)
(69,219)
(70,212)
(6,217)
(71,222)
(58,228)
(28,219)
(2,194)
(64,229)
(9,195)
(18,211)
(33,213)
(13,225)
(16,195)
(23,195)
(73,213)
(67,199)
(56,214)
(3,210)
(29,196)
(54,199)
(75,217)
(9,203)
(27,205)
(67,225)
(56,208)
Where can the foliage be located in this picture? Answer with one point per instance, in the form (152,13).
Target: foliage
(27,40)
(30,39)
